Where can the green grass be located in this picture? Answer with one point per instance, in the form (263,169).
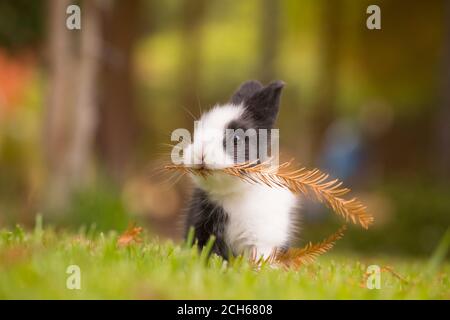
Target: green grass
(33,266)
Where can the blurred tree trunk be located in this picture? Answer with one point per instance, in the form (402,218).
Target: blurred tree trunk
(441,156)
(85,115)
(328,74)
(269,33)
(60,97)
(117,115)
(71,108)
(80,104)
(193,14)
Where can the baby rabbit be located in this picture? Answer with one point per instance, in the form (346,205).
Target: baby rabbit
(242,216)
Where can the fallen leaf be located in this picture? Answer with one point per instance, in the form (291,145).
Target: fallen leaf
(131,235)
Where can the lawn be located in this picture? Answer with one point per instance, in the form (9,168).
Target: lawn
(33,265)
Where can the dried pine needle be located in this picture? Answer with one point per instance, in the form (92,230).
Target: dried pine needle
(312,183)
(296,257)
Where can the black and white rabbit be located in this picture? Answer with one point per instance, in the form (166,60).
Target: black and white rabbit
(242,216)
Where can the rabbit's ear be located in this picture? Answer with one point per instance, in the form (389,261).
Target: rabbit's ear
(245,91)
(263,105)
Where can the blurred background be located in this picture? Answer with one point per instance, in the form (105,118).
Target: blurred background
(86,115)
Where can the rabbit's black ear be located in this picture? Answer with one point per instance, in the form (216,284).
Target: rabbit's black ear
(263,105)
(245,91)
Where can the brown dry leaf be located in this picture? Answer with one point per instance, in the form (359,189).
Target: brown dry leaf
(388,269)
(300,181)
(296,257)
(131,235)
(308,182)
(394,273)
